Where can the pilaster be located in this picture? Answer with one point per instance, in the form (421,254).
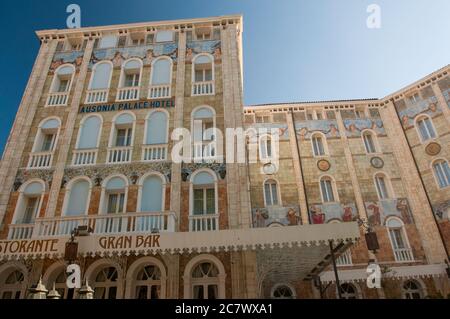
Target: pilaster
(12,156)
(296,161)
(65,139)
(442,103)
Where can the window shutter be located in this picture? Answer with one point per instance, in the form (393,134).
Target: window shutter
(60,46)
(122,41)
(96,43)
(150,38)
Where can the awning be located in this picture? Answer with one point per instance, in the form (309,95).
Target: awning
(395,273)
(292,251)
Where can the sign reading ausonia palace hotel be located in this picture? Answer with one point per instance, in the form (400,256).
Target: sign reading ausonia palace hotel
(141,105)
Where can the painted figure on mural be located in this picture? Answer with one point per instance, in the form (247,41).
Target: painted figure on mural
(348,214)
(117,59)
(189,54)
(292,217)
(375,215)
(148,57)
(78,61)
(402,207)
(260,221)
(333,130)
(433,107)
(217,53)
(318,217)
(55,64)
(405,120)
(302,133)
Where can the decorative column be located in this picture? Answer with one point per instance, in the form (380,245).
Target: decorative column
(442,102)
(66,137)
(12,156)
(420,208)
(351,168)
(175,184)
(296,161)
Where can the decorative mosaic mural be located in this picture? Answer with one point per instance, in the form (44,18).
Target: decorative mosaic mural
(427,106)
(283,131)
(327,127)
(354,127)
(60,58)
(442,210)
(323,213)
(287,216)
(195,47)
(377,212)
(146,53)
(446,94)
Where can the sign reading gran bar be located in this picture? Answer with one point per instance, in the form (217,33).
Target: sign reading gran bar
(138,105)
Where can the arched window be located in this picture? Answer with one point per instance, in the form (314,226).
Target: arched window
(101,76)
(29,203)
(203,75)
(328,189)
(148,283)
(89,136)
(318,144)
(152,194)
(204,200)
(62,79)
(47,135)
(348,291)
(203,128)
(161,71)
(383,186)
(271,197)
(122,131)
(204,194)
(265,147)
(60,285)
(13,285)
(78,197)
(115,195)
(442,173)
(282,292)
(205,281)
(399,240)
(424,126)
(105,284)
(370,143)
(131,73)
(412,290)
(203,68)
(156,128)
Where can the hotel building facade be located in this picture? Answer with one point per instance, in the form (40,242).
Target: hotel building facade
(91,146)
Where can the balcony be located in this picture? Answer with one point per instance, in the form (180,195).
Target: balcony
(403,255)
(204,151)
(40,160)
(84,157)
(128,223)
(96,96)
(154,153)
(119,155)
(203,88)
(159,91)
(204,222)
(345,259)
(20,231)
(57,99)
(127,94)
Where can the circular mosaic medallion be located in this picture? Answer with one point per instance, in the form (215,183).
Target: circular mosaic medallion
(376,162)
(323,165)
(269,168)
(433,149)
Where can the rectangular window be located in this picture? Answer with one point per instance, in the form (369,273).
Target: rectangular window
(122,41)
(271,193)
(327,190)
(48,142)
(204,201)
(30,210)
(132,80)
(368,142)
(108,41)
(381,187)
(63,86)
(150,38)
(60,46)
(426,129)
(116,203)
(397,238)
(164,36)
(414,98)
(318,146)
(124,137)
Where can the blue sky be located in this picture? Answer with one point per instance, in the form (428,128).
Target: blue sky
(294,50)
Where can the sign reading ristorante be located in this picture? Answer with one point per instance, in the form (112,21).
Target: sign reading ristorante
(126,106)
